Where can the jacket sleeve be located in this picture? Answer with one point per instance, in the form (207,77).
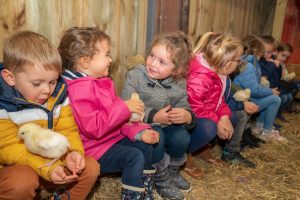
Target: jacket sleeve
(230,101)
(66,125)
(130,130)
(223,109)
(198,88)
(249,79)
(95,117)
(12,151)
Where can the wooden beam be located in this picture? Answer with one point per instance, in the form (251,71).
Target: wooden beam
(279,19)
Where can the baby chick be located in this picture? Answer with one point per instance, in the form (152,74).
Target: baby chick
(242,95)
(134,116)
(264,82)
(44,142)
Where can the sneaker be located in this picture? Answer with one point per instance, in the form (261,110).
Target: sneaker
(274,135)
(236,158)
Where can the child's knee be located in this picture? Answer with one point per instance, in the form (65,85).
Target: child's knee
(20,181)
(182,140)
(92,167)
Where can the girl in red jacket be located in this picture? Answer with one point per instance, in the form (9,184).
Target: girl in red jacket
(215,57)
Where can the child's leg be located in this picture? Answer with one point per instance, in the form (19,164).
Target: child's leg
(268,107)
(18,182)
(231,152)
(205,131)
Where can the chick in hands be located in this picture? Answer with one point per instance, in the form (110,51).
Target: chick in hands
(44,142)
(135,117)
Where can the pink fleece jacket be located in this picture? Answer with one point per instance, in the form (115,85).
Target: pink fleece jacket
(101,115)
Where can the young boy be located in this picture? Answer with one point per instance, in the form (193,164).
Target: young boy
(272,70)
(31,91)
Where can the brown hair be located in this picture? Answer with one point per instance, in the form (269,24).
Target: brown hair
(269,39)
(180,47)
(285,47)
(78,42)
(253,45)
(27,48)
(218,48)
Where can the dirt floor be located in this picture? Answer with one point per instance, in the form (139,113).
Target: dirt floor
(276,176)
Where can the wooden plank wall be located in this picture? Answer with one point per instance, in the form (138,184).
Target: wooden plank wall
(123,20)
(238,17)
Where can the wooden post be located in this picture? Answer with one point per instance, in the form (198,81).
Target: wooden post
(279,19)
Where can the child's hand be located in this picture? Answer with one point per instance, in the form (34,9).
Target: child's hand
(58,176)
(162,116)
(250,107)
(75,162)
(135,106)
(225,129)
(179,116)
(275,91)
(150,137)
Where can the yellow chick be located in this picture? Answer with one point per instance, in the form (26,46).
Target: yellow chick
(134,116)
(44,142)
(264,82)
(242,95)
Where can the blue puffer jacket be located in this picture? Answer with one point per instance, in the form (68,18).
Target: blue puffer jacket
(250,78)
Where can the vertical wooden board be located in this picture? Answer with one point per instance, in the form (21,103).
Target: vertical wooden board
(12,19)
(141,27)
(279,18)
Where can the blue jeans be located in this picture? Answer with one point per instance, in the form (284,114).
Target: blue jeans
(130,158)
(173,140)
(286,99)
(268,108)
(204,132)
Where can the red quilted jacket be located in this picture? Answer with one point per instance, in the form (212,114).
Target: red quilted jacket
(204,88)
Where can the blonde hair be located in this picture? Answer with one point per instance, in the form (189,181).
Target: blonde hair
(27,48)
(79,42)
(253,45)
(218,48)
(180,47)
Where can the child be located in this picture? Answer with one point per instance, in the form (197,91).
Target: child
(266,98)
(272,70)
(161,86)
(287,84)
(215,57)
(31,91)
(102,116)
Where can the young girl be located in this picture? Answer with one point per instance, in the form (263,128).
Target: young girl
(161,87)
(215,57)
(102,116)
(266,98)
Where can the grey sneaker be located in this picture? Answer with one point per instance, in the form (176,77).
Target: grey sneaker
(273,136)
(178,180)
(165,188)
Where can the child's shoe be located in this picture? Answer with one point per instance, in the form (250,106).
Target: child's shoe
(179,181)
(256,131)
(148,181)
(273,135)
(165,188)
(132,193)
(236,158)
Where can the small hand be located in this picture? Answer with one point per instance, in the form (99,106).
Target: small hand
(275,91)
(250,107)
(150,137)
(225,129)
(75,162)
(135,106)
(179,116)
(162,116)
(58,176)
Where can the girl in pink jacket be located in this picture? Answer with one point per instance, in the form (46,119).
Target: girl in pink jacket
(102,116)
(215,57)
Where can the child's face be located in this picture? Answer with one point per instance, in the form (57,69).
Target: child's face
(35,84)
(158,64)
(269,48)
(98,65)
(283,56)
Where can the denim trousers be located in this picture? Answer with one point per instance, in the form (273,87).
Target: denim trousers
(240,121)
(204,132)
(174,140)
(286,100)
(268,108)
(130,158)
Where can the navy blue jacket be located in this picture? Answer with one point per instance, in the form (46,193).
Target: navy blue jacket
(272,72)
